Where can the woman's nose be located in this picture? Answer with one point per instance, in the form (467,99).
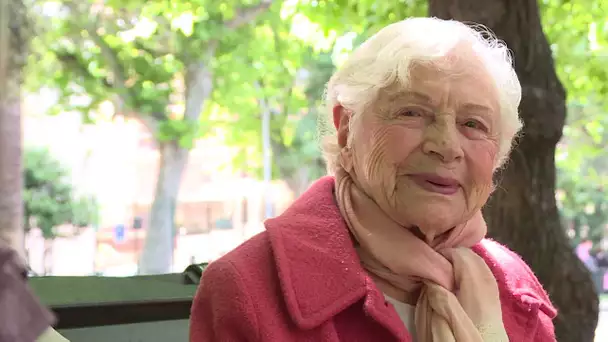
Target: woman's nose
(442,140)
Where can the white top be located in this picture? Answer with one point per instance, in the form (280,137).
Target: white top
(406,313)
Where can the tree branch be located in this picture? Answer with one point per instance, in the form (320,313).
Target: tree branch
(199,85)
(119,81)
(71,60)
(109,55)
(245,15)
(276,133)
(148,121)
(141,45)
(198,77)
(279,52)
(590,136)
(76,65)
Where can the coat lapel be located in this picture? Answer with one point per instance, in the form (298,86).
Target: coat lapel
(318,267)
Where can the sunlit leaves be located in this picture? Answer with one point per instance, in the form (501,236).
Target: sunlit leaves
(578,31)
(186,131)
(265,71)
(132,53)
(363,17)
(285,65)
(582,161)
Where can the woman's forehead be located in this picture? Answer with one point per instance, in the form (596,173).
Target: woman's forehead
(464,82)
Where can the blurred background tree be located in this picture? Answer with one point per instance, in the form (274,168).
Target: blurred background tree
(50,200)
(154,61)
(49,197)
(580,46)
(14,39)
(285,83)
(582,180)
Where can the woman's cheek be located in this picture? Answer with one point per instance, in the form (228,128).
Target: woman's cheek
(481,154)
(480,159)
(400,142)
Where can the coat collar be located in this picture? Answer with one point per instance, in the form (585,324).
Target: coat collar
(320,273)
(318,267)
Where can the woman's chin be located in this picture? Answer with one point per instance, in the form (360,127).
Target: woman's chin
(432,216)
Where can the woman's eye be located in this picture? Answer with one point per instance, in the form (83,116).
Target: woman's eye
(474,124)
(411,112)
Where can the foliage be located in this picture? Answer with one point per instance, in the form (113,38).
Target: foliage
(85,211)
(579,33)
(336,17)
(92,65)
(290,59)
(582,180)
(138,54)
(49,197)
(140,60)
(141,55)
(276,81)
(154,61)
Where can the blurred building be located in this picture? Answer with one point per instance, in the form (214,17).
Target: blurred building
(116,160)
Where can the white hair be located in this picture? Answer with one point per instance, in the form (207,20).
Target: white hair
(386,57)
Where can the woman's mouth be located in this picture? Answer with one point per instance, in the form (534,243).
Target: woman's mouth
(435,183)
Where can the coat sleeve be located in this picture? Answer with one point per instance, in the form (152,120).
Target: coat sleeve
(222,310)
(546,330)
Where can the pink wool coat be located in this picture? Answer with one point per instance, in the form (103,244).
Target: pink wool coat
(301,280)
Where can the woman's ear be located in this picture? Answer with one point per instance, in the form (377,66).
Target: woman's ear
(341,123)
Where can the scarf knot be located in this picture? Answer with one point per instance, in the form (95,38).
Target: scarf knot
(455,293)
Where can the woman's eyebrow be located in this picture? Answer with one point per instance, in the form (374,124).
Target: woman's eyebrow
(477,107)
(409,95)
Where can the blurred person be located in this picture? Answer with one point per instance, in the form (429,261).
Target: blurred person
(22,317)
(584,253)
(390,246)
(600,256)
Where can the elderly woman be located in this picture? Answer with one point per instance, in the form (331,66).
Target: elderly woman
(392,248)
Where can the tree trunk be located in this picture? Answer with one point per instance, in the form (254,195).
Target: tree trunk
(298,176)
(522,213)
(12,58)
(157,255)
(299,180)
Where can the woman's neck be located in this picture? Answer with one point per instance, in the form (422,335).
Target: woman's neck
(400,295)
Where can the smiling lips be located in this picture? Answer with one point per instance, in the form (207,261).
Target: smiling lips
(434,183)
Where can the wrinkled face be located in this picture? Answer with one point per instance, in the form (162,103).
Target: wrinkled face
(425,152)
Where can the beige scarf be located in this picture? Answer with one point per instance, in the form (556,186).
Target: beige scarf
(458,296)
